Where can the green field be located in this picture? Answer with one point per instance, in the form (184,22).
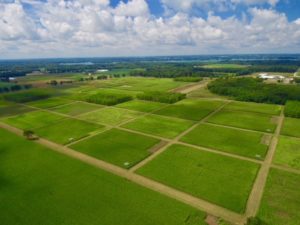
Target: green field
(194,171)
(12,110)
(33,120)
(39,186)
(142,106)
(76,108)
(68,130)
(224,66)
(49,103)
(254,107)
(291,127)
(244,143)
(288,152)
(119,147)
(110,116)
(280,204)
(247,120)
(161,126)
(191,109)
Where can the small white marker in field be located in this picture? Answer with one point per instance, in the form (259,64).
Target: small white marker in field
(126,163)
(258,156)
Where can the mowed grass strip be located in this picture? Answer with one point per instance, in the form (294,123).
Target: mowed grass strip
(68,130)
(33,120)
(291,127)
(110,116)
(118,147)
(12,110)
(244,143)
(142,106)
(40,186)
(288,152)
(167,127)
(76,108)
(49,103)
(219,179)
(254,107)
(246,120)
(190,109)
(281,200)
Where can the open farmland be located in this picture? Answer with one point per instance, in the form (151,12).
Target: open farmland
(39,186)
(210,154)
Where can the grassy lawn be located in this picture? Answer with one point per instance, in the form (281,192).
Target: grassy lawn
(291,127)
(12,110)
(76,108)
(49,103)
(288,152)
(158,125)
(68,130)
(254,107)
(110,116)
(119,147)
(194,171)
(281,200)
(142,106)
(191,109)
(40,186)
(247,120)
(244,143)
(33,120)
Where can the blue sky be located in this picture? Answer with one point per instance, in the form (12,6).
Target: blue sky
(72,28)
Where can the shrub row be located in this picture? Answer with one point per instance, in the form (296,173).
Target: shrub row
(108,99)
(7,87)
(292,109)
(164,97)
(188,79)
(27,96)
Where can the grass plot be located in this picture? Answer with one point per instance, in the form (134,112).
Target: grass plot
(281,200)
(244,143)
(119,147)
(110,116)
(246,120)
(49,103)
(142,106)
(288,152)
(12,110)
(158,125)
(76,108)
(67,131)
(254,107)
(291,127)
(222,180)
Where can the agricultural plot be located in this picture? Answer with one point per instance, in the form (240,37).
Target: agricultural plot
(76,108)
(141,84)
(119,147)
(254,107)
(194,171)
(244,143)
(110,116)
(49,103)
(162,126)
(142,106)
(68,130)
(291,127)
(40,186)
(190,109)
(247,120)
(33,120)
(280,203)
(288,152)
(12,110)
(224,66)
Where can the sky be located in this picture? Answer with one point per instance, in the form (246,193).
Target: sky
(103,28)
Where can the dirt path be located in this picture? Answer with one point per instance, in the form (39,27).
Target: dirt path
(148,183)
(288,169)
(259,184)
(191,87)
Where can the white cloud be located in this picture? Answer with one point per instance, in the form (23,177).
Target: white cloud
(94,28)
